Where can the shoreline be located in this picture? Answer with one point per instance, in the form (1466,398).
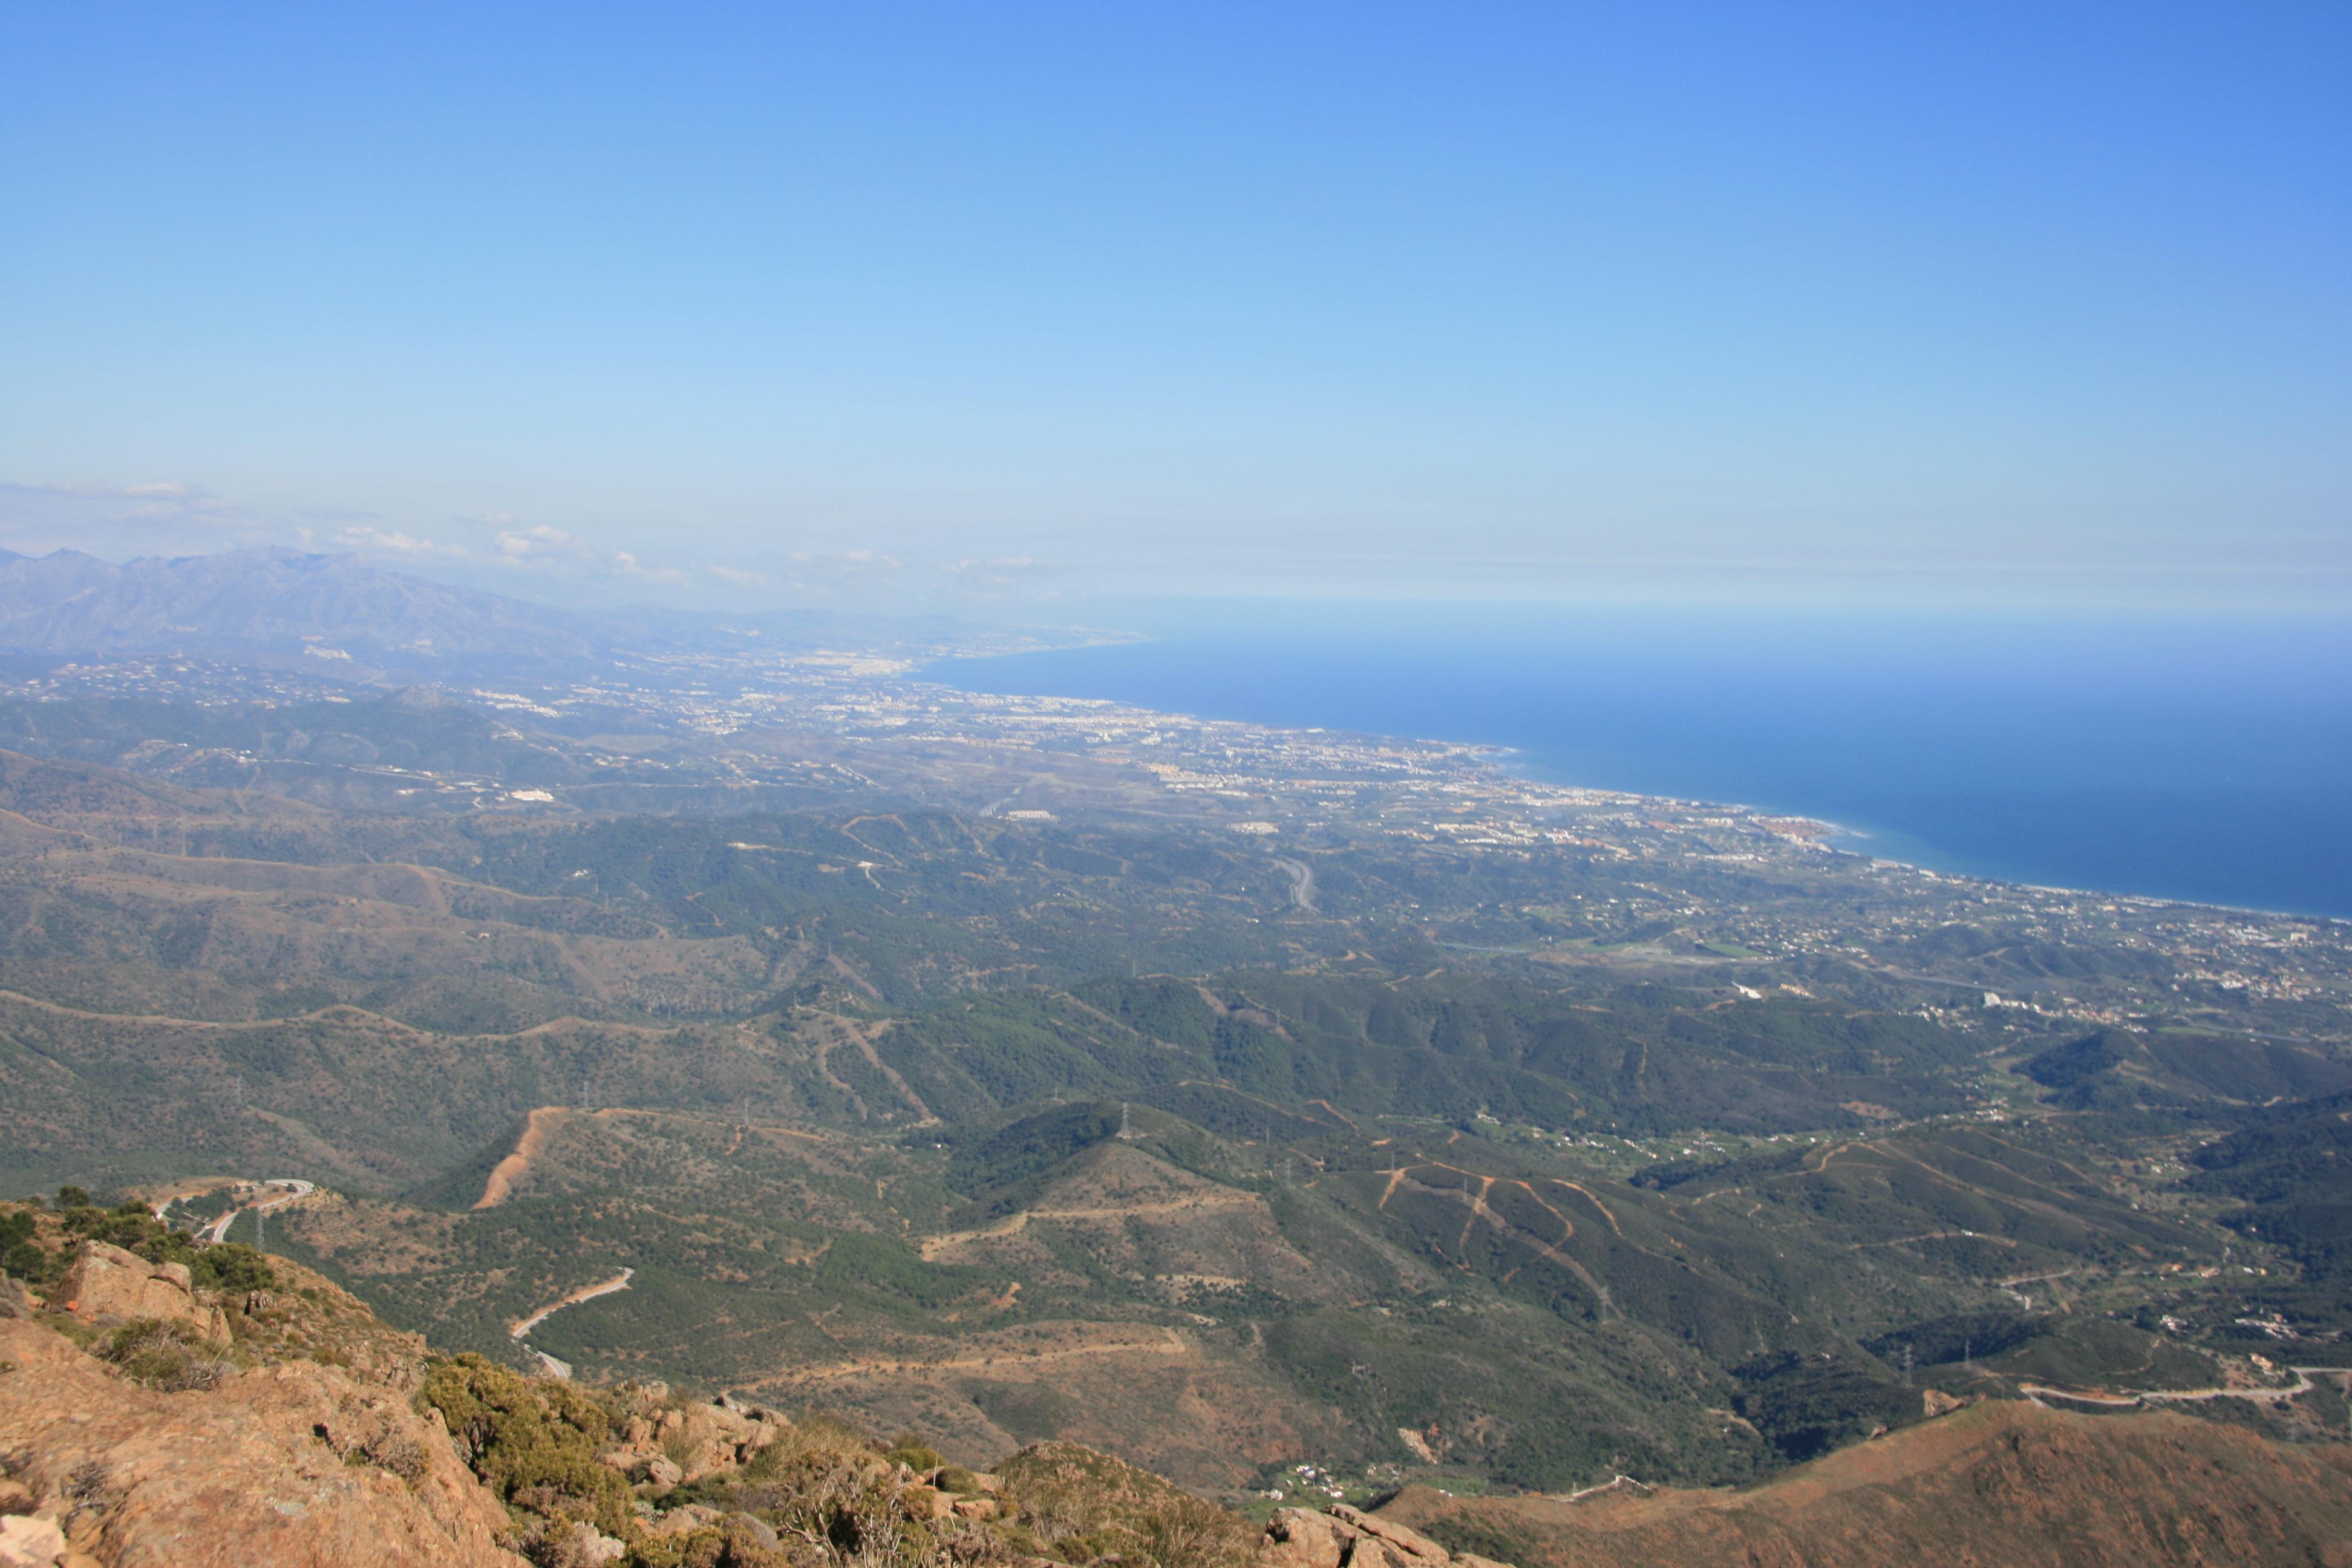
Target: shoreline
(1514,762)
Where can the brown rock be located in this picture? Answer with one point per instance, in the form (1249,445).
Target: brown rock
(664,1472)
(15,1300)
(1407,1543)
(1372,1552)
(685,1520)
(15,1497)
(974,1508)
(1300,1537)
(30,1542)
(245,1475)
(108,1284)
(928,1502)
(590,1548)
(760,1531)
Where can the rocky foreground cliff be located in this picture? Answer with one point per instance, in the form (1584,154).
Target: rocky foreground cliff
(165,1408)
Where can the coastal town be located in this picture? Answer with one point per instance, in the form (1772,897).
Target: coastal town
(1581,876)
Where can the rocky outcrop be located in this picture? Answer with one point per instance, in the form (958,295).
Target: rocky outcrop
(296,1463)
(1344,1537)
(666,1447)
(15,1300)
(26,1543)
(108,1284)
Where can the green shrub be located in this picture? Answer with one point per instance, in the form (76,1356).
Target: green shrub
(1090,1505)
(910,1451)
(229,1266)
(164,1356)
(533,1444)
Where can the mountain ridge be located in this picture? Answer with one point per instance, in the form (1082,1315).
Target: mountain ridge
(327,613)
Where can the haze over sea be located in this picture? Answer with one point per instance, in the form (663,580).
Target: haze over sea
(2204,757)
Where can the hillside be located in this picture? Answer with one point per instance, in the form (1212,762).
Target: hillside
(1992,1486)
(1089,1129)
(245,1412)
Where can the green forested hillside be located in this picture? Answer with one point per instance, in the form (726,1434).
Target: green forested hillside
(1094,1128)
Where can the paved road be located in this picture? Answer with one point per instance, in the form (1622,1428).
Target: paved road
(1302,883)
(555,1367)
(2303,1385)
(289,1189)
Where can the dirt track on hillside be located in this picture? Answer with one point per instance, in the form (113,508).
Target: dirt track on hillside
(517,1165)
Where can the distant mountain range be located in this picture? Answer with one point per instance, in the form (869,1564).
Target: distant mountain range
(268,602)
(339,615)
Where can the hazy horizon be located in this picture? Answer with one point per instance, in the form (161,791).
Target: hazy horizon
(939,308)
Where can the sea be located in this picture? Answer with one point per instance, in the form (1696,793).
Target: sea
(2202,758)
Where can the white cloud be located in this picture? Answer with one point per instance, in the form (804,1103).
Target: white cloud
(738,577)
(999,576)
(537,546)
(627,565)
(164,517)
(365,538)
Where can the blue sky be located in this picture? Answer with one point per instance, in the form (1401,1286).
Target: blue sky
(1988,304)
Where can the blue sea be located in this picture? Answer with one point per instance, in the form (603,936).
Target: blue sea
(2206,759)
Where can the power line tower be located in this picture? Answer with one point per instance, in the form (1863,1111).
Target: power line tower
(1906,1363)
(1125,1129)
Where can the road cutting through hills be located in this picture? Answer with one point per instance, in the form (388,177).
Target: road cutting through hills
(517,1162)
(930,1248)
(585,1293)
(289,1189)
(2303,1384)
(1170,1343)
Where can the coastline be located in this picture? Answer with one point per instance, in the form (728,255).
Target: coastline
(1520,763)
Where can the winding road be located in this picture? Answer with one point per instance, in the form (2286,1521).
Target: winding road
(562,1369)
(586,1293)
(1302,884)
(290,1190)
(2303,1385)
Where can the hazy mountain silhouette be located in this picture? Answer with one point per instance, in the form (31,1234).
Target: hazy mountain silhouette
(269,601)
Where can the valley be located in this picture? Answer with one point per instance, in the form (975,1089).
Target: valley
(1482,1137)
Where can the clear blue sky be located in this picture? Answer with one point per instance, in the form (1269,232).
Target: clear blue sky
(2038,302)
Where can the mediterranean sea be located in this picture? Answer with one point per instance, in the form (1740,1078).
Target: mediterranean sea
(2207,758)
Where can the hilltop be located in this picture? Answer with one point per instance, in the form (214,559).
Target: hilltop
(2004,1486)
